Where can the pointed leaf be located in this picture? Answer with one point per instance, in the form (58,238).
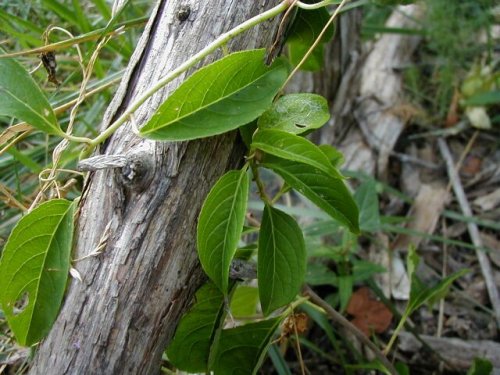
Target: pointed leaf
(329,194)
(293,147)
(218,98)
(190,348)
(296,113)
(220,225)
(22,98)
(282,259)
(34,269)
(240,350)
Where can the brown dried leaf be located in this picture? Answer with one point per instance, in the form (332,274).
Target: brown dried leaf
(370,315)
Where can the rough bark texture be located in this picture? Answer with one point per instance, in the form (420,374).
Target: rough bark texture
(123,314)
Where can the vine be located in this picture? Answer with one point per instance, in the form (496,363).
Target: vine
(217,105)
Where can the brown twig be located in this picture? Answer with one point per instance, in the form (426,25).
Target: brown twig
(340,320)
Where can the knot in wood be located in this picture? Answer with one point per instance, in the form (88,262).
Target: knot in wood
(183,13)
(137,172)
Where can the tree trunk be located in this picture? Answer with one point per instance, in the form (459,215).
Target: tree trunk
(122,316)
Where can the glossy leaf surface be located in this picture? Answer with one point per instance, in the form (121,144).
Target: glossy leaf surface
(220,225)
(219,97)
(240,350)
(190,348)
(282,259)
(292,147)
(296,113)
(34,269)
(329,194)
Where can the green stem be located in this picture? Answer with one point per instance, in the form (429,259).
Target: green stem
(74,138)
(284,189)
(260,185)
(220,41)
(396,333)
(321,4)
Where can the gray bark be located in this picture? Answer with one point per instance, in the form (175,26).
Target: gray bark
(121,317)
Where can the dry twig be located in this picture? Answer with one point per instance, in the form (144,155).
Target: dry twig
(483,259)
(339,319)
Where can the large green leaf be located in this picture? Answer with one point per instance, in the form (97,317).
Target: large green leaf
(190,348)
(296,113)
(240,350)
(22,98)
(282,259)
(218,98)
(220,225)
(293,147)
(306,29)
(34,269)
(329,194)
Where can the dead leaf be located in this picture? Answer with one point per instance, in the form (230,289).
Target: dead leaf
(472,165)
(489,201)
(370,315)
(297,321)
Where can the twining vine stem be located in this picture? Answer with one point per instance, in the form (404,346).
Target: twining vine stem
(217,43)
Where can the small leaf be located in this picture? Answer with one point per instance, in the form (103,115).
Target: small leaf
(34,269)
(367,199)
(282,259)
(293,147)
(434,294)
(329,194)
(220,225)
(306,29)
(23,99)
(296,113)
(189,350)
(220,97)
(241,350)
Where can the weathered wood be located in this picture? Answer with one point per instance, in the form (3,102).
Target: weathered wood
(120,319)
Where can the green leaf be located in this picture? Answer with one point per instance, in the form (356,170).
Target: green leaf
(306,29)
(34,269)
(220,225)
(345,290)
(240,350)
(244,301)
(23,99)
(334,155)
(329,194)
(296,113)
(320,274)
(189,350)
(480,366)
(293,147)
(484,98)
(282,259)
(367,199)
(363,270)
(218,98)
(434,294)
